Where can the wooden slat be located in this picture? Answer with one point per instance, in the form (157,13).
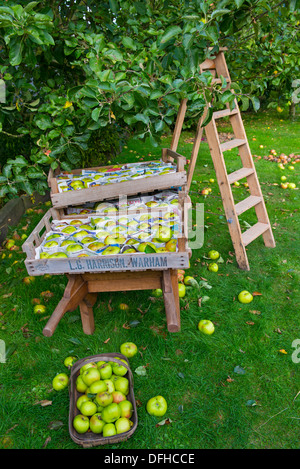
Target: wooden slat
(236,142)
(239,174)
(253,232)
(224,113)
(246,204)
(178,124)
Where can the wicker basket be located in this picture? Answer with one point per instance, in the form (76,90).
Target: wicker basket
(91,439)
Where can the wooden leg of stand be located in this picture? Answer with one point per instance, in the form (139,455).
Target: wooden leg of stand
(86,312)
(171,299)
(75,292)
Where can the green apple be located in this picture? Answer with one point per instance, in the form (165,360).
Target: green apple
(164,234)
(104,398)
(118,396)
(88,408)
(168,215)
(96,423)
(90,375)
(109,430)
(181,290)
(111,250)
(75,222)
(97,387)
(81,399)
(105,371)
(171,245)
(39,309)
(57,255)
(88,240)
(157,406)
(206,326)
(53,236)
(213,267)
(77,185)
(96,246)
(60,381)
(283,178)
(69,361)
(80,385)
(74,247)
(114,239)
(213,254)
(101,234)
(245,297)
(111,413)
(122,385)
(44,255)
(110,385)
(123,425)
(80,234)
(119,369)
(100,363)
(69,230)
(51,244)
(292,185)
(142,246)
(81,423)
(158,292)
(128,349)
(66,242)
(87,365)
(126,408)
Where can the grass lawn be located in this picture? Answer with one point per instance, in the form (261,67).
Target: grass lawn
(238,388)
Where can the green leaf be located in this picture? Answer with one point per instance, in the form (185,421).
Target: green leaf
(207,117)
(43,121)
(95,113)
(113,54)
(220,12)
(15,51)
(141,371)
(170,32)
(129,43)
(255,103)
(114,6)
(239,3)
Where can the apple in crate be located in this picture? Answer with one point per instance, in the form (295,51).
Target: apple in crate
(111,250)
(96,246)
(96,423)
(69,230)
(74,247)
(111,413)
(57,255)
(164,234)
(122,385)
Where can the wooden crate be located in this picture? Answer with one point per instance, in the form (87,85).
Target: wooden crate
(108,263)
(111,191)
(90,439)
(88,276)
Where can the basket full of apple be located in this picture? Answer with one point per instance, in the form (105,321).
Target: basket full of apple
(102,404)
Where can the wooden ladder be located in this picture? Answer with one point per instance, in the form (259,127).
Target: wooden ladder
(218,67)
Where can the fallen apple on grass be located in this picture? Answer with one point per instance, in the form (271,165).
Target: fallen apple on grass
(213,254)
(60,381)
(39,309)
(157,406)
(181,290)
(213,267)
(206,326)
(245,297)
(128,349)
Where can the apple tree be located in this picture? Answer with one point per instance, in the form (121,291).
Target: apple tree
(74,68)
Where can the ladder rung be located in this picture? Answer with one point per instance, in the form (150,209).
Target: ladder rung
(224,113)
(253,232)
(246,204)
(236,142)
(239,174)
